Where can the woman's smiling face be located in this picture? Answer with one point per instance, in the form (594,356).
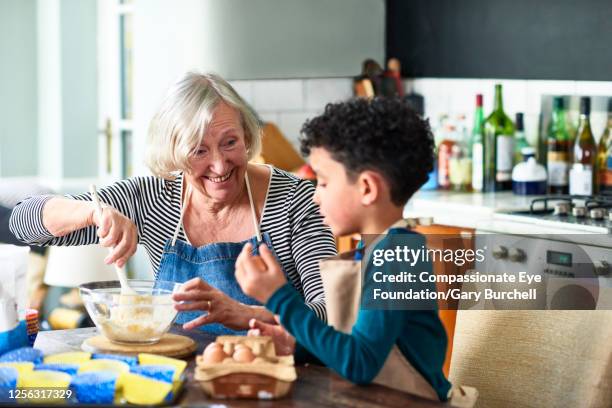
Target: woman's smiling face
(219,163)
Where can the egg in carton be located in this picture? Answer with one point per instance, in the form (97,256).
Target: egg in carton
(244,367)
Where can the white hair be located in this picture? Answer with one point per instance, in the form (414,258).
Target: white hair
(179,125)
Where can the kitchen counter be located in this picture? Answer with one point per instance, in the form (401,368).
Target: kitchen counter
(315,386)
(491,212)
(464,210)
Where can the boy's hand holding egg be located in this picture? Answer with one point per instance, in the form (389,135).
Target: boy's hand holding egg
(284,343)
(259,276)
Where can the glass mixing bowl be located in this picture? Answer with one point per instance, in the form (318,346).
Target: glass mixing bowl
(130,319)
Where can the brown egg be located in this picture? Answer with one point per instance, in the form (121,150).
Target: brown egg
(243,355)
(213,353)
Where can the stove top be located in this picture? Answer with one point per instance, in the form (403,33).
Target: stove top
(566,211)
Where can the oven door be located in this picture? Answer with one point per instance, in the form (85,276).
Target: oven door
(573,276)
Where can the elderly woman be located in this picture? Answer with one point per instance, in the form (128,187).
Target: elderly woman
(204,202)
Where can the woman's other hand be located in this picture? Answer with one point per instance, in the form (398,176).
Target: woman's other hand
(118,232)
(284,343)
(259,276)
(199,295)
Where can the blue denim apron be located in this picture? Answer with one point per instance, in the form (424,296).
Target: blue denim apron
(213,263)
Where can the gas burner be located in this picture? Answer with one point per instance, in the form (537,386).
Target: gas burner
(597,213)
(592,213)
(565,204)
(579,212)
(562,208)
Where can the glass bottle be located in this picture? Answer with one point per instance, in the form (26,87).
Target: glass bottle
(604,156)
(444,155)
(519,138)
(558,150)
(498,144)
(477,147)
(581,177)
(460,161)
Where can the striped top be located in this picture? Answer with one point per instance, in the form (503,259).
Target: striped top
(290,217)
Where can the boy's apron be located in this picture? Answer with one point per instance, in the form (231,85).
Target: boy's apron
(341,277)
(214,263)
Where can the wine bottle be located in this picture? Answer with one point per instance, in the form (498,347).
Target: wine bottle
(581,177)
(519,138)
(604,156)
(444,155)
(460,164)
(498,146)
(477,147)
(558,150)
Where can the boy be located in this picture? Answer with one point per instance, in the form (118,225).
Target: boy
(370,157)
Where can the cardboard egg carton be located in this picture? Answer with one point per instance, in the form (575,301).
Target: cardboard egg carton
(263,375)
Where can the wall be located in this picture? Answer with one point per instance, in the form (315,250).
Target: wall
(247,41)
(18,88)
(260,39)
(79,87)
(48,89)
(288,103)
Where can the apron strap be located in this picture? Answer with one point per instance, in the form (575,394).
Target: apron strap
(186,202)
(370,247)
(253,212)
(183,208)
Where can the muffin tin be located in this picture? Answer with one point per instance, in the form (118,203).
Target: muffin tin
(244,367)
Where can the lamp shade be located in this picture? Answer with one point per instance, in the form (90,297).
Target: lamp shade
(70,266)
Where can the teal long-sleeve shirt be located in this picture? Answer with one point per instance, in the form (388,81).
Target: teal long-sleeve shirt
(360,356)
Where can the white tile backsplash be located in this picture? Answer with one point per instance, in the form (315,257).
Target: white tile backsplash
(463,95)
(594,88)
(272,117)
(514,94)
(244,89)
(320,92)
(278,95)
(288,103)
(537,88)
(291,124)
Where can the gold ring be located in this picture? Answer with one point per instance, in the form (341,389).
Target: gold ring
(209,305)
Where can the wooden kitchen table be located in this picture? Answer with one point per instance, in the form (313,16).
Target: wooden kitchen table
(316,386)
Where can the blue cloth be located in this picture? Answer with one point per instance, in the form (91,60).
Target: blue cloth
(215,263)
(359,356)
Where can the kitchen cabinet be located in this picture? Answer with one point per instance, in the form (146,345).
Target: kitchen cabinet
(501,39)
(453,238)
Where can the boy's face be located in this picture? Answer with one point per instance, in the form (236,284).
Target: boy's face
(337,196)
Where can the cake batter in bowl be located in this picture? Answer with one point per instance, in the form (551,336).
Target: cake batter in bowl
(130,319)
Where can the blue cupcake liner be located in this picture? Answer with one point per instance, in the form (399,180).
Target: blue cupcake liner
(129,360)
(23,354)
(71,369)
(95,387)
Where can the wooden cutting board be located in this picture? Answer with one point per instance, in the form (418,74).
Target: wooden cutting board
(170,345)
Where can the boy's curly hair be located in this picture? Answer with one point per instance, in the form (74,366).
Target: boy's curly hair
(383,134)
